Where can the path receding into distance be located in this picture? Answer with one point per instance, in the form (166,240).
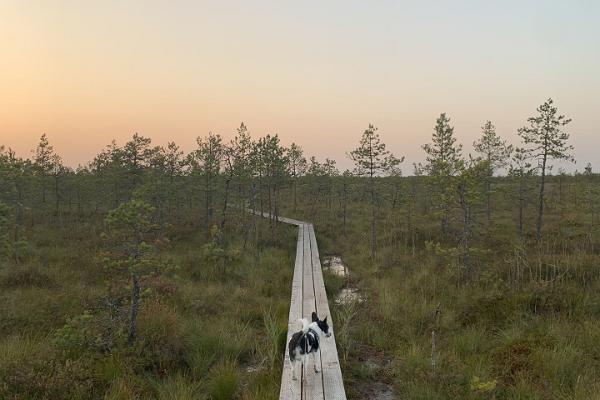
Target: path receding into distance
(308,295)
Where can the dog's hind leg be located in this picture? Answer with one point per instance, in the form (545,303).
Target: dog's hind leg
(304,357)
(293,363)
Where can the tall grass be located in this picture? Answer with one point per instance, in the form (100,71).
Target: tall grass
(197,326)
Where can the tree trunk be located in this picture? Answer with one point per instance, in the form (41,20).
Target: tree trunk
(488,195)
(466,231)
(345,206)
(295,197)
(262,208)
(57,198)
(521,204)
(44,189)
(373,233)
(135,303)
(276,211)
(538,232)
(270,204)
(252,221)
(207,196)
(226,199)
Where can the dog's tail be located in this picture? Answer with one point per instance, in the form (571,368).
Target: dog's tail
(304,323)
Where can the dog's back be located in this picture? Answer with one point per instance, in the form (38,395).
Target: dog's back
(306,341)
(294,348)
(303,343)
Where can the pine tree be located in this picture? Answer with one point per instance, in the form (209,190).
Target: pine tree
(297,167)
(444,161)
(130,227)
(330,171)
(135,156)
(521,171)
(43,162)
(241,146)
(469,190)
(372,159)
(206,164)
(345,188)
(546,141)
(496,153)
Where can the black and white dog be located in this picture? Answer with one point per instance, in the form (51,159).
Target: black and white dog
(306,342)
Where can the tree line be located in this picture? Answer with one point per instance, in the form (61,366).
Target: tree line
(215,183)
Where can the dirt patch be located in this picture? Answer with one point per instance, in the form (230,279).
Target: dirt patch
(375,374)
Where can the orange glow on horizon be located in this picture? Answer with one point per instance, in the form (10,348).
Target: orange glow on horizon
(315,74)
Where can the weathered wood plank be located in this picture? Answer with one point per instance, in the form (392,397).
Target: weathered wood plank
(308,295)
(333,384)
(312,386)
(280,219)
(291,389)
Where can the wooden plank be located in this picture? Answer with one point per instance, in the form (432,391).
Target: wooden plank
(308,295)
(291,389)
(285,220)
(312,386)
(333,384)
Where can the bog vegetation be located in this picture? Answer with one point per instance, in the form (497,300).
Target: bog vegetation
(142,275)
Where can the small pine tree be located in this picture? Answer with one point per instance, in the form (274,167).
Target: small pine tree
(469,191)
(521,171)
(371,159)
(546,141)
(206,163)
(130,227)
(297,167)
(444,162)
(496,153)
(43,162)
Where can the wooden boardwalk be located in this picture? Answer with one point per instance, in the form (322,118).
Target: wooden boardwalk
(308,295)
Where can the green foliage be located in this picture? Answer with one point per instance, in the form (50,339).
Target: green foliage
(443,154)
(178,387)
(371,159)
(545,140)
(518,319)
(5,244)
(272,347)
(544,134)
(344,318)
(216,258)
(444,162)
(131,228)
(492,148)
(225,381)
(160,344)
(26,276)
(78,334)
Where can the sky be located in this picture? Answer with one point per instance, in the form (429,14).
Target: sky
(313,72)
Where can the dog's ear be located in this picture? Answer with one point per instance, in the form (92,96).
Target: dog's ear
(325,320)
(314,317)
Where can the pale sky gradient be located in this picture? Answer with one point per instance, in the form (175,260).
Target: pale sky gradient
(315,72)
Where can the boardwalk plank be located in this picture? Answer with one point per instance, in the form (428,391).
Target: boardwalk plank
(308,295)
(291,389)
(333,384)
(312,386)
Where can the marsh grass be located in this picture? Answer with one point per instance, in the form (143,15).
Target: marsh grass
(224,383)
(178,387)
(271,348)
(197,326)
(522,325)
(344,315)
